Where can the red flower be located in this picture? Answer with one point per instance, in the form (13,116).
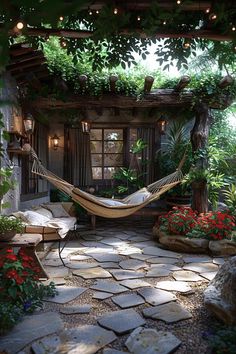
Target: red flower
(11,274)
(11,257)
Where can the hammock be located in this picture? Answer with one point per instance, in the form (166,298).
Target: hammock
(105,207)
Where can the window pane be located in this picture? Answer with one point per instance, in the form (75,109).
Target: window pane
(113,146)
(96,146)
(96,159)
(97,172)
(113,159)
(113,134)
(109,172)
(96,134)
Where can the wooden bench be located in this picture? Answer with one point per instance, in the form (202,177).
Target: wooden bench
(145,212)
(28,242)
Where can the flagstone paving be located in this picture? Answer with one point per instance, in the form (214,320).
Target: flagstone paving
(143,280)
(169,313)
(149,341)
(121,321)
(129,300)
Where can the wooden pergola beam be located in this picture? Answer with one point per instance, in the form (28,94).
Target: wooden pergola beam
(76,34)
(161,98)
(183,82)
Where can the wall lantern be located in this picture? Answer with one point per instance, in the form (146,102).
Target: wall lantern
(55,141)
(86,126)
(29,123)
(162,123)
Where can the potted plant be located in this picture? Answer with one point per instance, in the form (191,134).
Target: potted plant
(9,227)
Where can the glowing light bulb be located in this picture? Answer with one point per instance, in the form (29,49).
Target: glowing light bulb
(61,18)
(178,2)
(233,28)
(186,45)
(164,23)
(207,10)
(115,11)
(20,25)
(138,18)
(90,12)
(97,12)
(212,17)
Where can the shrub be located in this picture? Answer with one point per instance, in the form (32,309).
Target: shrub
(10,224)
(180,220)
(223,341)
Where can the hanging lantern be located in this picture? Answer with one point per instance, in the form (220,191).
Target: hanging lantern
(162,123)
(86,126)
(55,141)
(29,123)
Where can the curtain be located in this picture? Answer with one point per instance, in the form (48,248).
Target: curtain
(77,158)
(148,154)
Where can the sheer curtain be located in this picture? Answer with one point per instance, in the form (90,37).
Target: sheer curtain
(77,157)
(148,154)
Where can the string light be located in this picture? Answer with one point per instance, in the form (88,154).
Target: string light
(63,43)
(90,12)
(164,23)
(138,18)
(115,11)
(178,2)
(233,28)
(20,25)
(61,18)
(97,12)
(186,45)
(212,17)
(208,10)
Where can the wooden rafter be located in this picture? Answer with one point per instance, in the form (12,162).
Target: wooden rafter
(77,34)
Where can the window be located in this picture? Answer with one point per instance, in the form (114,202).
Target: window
(107,152)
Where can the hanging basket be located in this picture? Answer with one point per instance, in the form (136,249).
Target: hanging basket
(8,235)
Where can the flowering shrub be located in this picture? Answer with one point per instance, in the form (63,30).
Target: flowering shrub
(213,226)
(180,220)
(19,286)
(184,221)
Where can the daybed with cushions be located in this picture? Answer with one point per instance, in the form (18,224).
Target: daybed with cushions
(52,220)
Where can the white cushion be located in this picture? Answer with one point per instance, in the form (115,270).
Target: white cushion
(57,210)
(44,212)
(63,224)
(112,202)
(139,197)
(35,218)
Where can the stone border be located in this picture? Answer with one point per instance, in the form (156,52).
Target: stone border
(195,245)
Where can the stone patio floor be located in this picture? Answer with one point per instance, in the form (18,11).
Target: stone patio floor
(120,292)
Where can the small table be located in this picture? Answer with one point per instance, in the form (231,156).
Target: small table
(29,243)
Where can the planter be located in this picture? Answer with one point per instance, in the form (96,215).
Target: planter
(183,244)
(7,236)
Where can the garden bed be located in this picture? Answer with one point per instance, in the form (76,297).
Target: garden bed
(195,245)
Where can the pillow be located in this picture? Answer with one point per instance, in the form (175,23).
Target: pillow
(45,212)
(57,210)
(20,215)
(35,218)
(112,202)
(139,197)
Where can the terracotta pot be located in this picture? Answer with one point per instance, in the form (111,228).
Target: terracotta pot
(178,200)
(7,236)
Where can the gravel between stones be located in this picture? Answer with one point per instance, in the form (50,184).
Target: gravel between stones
(190,331)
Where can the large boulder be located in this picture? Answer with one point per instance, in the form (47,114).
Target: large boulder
(183,244)
(223,248)
(220,295)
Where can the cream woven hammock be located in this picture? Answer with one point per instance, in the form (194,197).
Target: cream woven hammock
(105,207)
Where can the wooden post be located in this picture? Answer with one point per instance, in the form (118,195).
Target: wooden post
(226,81)
(183,82)
(113,79)
(148,83)
(199,140)
(82,81)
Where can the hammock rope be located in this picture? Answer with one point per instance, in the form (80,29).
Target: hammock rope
(105,207)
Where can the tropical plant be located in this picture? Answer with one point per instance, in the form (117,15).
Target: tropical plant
(129,178)
(230,198)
